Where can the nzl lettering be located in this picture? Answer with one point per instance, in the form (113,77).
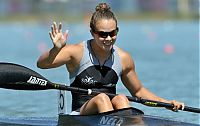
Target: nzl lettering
(110,121)
(35,80)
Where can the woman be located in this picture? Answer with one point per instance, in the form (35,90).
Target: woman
(97,64)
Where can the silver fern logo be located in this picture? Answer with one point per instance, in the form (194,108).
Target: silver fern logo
(88,80)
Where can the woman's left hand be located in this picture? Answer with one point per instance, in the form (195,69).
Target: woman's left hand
(177,105)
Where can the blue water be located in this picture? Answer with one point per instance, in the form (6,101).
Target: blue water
(166,55)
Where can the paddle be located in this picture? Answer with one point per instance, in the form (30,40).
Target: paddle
(17,77)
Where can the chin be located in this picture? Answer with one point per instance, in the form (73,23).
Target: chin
(108,48)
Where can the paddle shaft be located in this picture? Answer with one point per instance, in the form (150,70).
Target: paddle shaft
(17,77)
(133,99)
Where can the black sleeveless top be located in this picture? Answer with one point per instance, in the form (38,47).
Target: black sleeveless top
(90,75)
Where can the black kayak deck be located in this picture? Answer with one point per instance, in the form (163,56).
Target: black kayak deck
(124,117)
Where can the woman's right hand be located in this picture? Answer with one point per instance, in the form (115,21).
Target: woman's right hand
(57,37)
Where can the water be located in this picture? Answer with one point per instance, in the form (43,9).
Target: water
(166,56)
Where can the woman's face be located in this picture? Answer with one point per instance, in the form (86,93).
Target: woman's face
(105,33)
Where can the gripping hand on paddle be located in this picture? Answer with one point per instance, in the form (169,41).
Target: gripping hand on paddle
(177,105)
(57,37)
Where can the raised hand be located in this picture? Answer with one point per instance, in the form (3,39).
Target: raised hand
(57,37)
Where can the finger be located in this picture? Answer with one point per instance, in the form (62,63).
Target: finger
(55,27)
(179,105)
(175,107)
(60,28)
(175,110)
(51,36)
(65,35)
(182,106)
(52,31)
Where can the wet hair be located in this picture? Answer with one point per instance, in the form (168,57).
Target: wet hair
(103,11)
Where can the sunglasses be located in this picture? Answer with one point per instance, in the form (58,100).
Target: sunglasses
(103,34)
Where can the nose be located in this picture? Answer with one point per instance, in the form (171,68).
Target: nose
(109,38)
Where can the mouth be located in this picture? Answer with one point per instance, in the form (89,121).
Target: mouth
(108,43)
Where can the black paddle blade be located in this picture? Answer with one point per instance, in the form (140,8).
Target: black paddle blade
(18,77)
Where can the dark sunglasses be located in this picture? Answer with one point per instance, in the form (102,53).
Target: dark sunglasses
(103,34)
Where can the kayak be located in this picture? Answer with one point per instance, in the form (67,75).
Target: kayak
(123,117)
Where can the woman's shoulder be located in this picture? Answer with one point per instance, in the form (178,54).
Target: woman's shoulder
(126,59)
(123,54)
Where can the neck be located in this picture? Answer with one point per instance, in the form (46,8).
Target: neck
(99,52)
(101,55)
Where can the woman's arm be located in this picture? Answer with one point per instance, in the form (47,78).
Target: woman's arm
(133,84)
(54,57)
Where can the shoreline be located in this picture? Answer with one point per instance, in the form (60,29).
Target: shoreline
(80,18)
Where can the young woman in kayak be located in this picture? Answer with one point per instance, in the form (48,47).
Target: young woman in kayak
(97,64)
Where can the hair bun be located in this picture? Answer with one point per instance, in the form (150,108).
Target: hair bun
(102,7)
